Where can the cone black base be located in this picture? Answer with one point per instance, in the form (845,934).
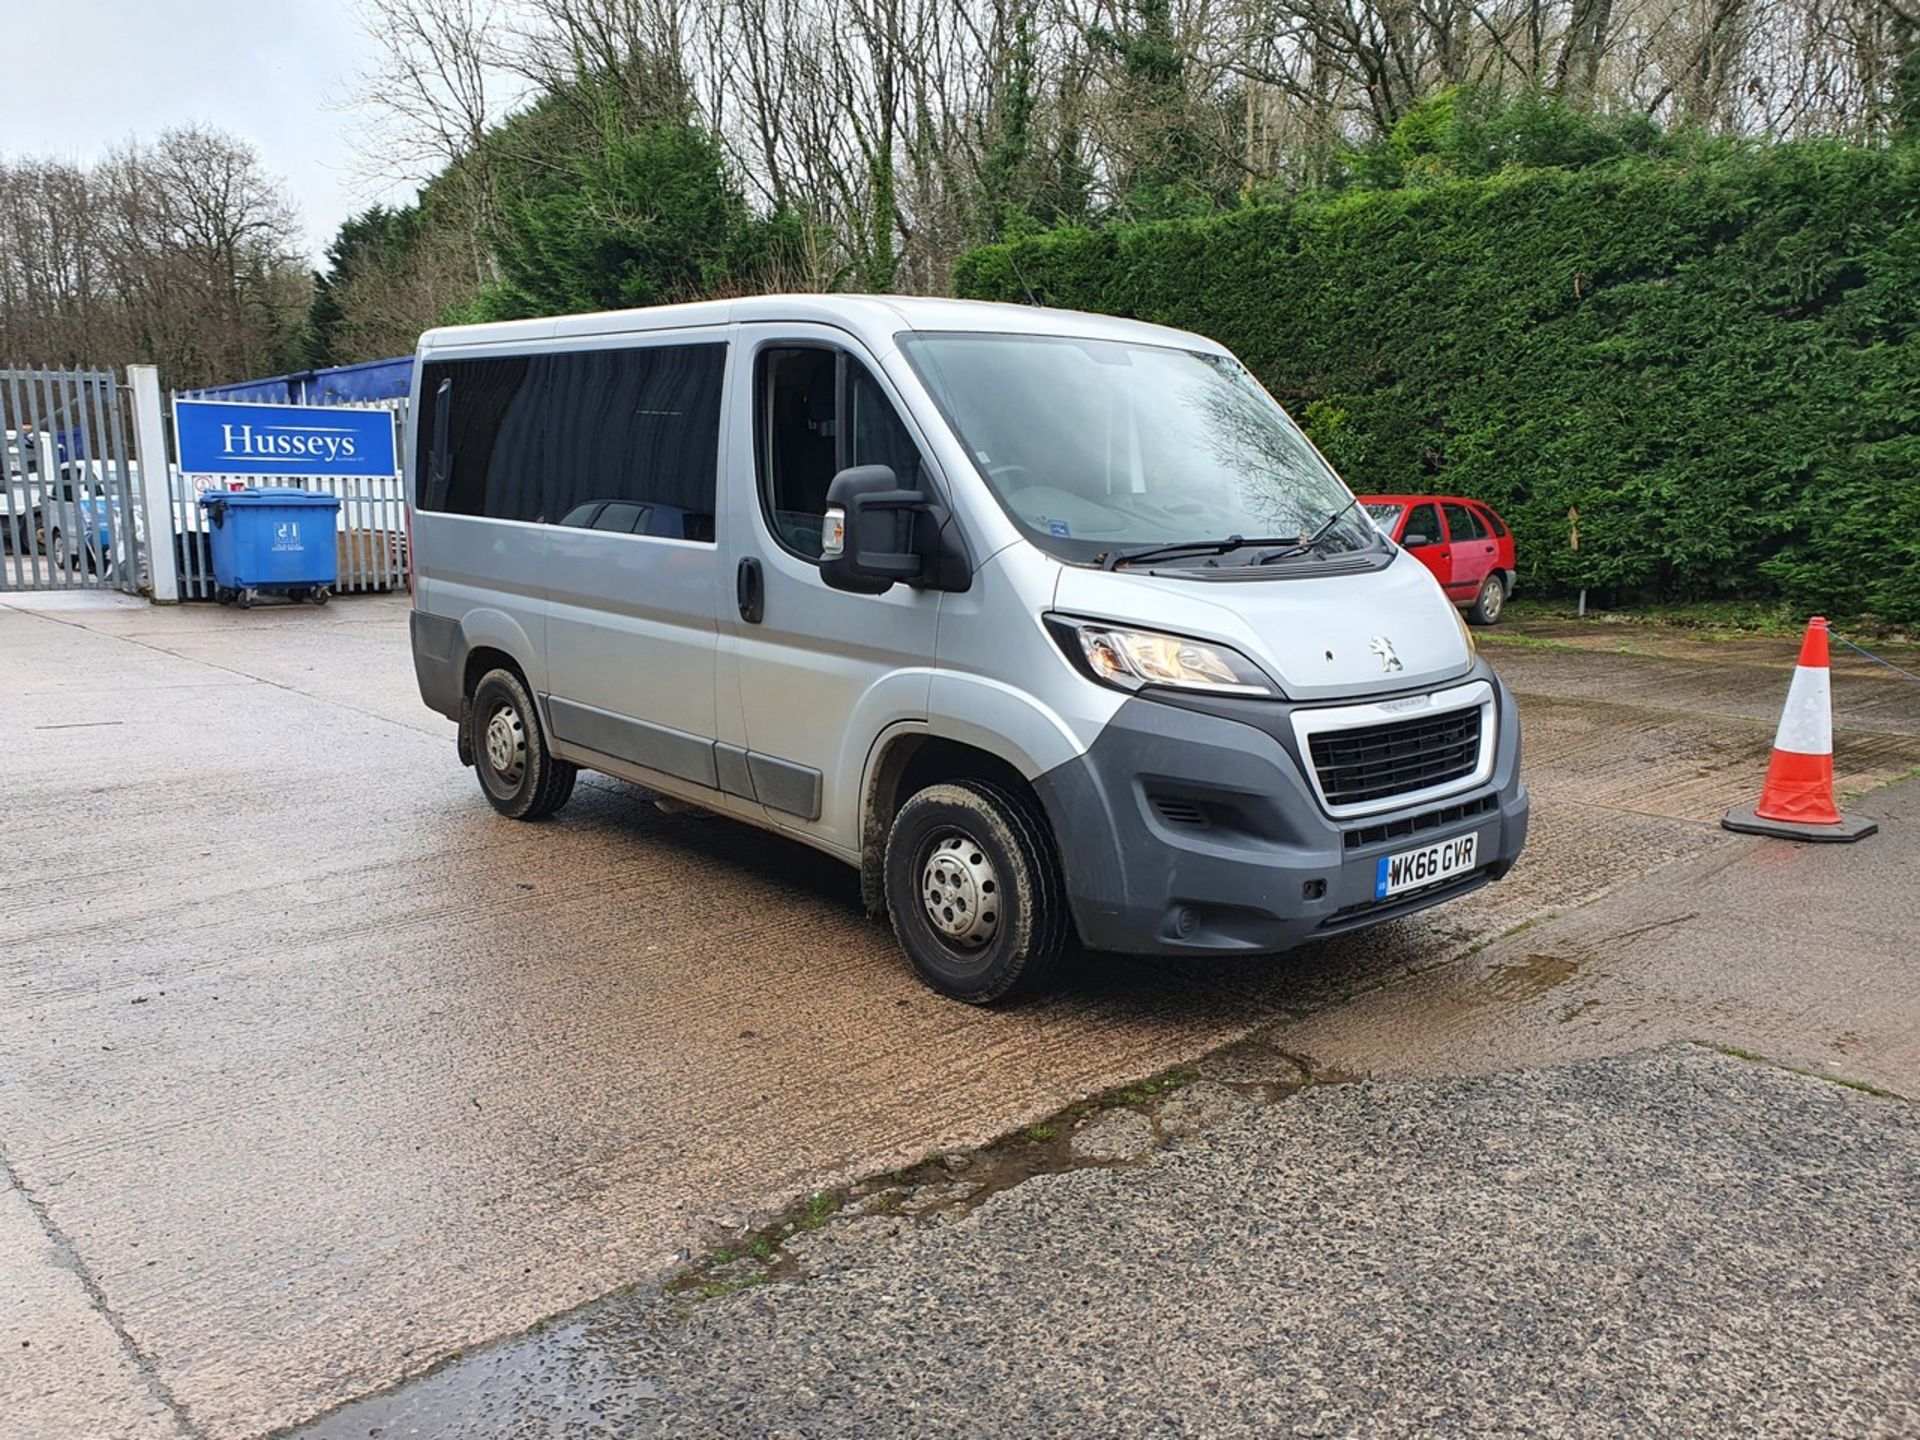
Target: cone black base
(1850,828)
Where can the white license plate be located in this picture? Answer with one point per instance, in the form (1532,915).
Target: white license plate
(1430,864)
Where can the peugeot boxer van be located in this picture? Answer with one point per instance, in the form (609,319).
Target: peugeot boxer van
(1053,625)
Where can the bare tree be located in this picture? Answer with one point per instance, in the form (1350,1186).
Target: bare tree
(182,252)
(440,81)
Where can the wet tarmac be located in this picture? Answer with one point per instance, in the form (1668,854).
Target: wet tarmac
(314,1072)
(1674,1242)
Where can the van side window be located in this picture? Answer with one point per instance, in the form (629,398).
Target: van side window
(493,437)
(619,440)
(635,434)
(817,412)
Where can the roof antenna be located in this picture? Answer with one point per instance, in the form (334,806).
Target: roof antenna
(1014,261)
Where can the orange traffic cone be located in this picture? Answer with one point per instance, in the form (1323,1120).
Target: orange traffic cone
(1797,799)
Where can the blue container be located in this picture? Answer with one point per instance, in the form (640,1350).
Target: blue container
(272,539)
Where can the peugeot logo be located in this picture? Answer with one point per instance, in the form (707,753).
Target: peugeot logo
(1383,647)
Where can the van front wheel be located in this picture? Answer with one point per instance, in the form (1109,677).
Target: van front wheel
(974,891)
(518,775)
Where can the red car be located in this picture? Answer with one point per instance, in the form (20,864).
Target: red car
(1465,543)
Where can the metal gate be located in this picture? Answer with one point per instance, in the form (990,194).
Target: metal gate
(371,536)
(71,517)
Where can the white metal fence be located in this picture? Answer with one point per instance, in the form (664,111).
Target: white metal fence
(370,531)
(69,504)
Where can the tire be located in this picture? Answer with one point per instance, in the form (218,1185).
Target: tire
(322,595)
(518,774)
(1491,602)
(974,844)
(225,596)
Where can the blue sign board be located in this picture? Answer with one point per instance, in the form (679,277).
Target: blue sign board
(217,437)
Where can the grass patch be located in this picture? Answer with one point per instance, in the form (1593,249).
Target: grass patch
(714,1289)
(1523,642)
(1143,1091)
(1710,617)
(814,1211)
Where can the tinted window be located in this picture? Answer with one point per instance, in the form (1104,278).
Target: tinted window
(1423,527)
(1463,524)
(619,440)
(1487,517)
(639,429)
(492,440)
(818,412)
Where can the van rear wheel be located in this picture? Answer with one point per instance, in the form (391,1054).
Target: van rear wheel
(518,774)
(974,891)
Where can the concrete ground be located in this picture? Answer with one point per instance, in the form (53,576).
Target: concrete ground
(313,1072)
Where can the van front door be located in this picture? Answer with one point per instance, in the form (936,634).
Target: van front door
(634,570)
(820,672)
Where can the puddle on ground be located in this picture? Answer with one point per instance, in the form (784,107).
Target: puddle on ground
(1532,977)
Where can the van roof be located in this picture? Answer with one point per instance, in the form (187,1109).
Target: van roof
(873,318)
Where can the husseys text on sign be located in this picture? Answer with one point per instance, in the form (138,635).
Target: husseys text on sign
(218,437)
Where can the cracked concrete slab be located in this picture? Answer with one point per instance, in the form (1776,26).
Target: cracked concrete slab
(64,1369)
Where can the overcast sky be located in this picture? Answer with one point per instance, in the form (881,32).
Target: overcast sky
(82,75)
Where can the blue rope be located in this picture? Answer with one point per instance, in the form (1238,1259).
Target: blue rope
(1873,657)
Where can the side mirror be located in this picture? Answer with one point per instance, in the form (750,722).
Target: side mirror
(1415,539)
(875,533)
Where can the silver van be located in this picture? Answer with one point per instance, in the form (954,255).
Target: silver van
(1053,625)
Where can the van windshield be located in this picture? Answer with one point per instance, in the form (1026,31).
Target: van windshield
(1095,447)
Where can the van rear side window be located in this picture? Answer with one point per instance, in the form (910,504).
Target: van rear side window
(581,439)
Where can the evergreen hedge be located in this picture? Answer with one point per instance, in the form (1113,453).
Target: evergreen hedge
(1715,360)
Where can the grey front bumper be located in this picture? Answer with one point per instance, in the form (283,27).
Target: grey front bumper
(1191,828)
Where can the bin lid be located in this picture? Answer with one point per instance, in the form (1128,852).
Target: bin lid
(269,495)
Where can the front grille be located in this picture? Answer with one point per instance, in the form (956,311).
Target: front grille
(1363,835)
(1375,762)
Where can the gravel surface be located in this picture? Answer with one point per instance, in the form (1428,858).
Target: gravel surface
(1676,1242)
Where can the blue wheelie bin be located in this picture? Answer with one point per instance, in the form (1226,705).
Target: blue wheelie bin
(272,540)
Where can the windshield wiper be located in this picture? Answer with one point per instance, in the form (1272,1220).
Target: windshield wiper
(1307,543)
(1114,559)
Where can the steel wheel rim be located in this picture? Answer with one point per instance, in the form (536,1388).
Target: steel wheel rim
(1492,598)
(960,892)
(505,744)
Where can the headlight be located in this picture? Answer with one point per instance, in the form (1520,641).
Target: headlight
(1128,659)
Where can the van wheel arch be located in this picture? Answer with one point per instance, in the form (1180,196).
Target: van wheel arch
(479,661)
(909,764)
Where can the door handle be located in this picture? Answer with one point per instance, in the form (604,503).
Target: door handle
(750,591)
